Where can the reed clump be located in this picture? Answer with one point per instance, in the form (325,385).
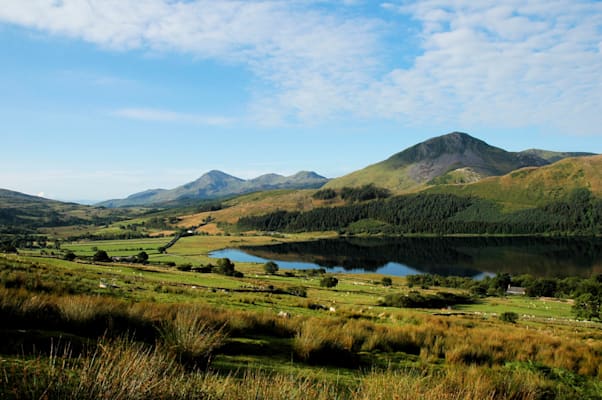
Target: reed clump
(190,338)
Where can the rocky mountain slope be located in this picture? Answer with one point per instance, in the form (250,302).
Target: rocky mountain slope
(453,158)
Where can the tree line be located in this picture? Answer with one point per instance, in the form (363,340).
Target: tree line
(580,214)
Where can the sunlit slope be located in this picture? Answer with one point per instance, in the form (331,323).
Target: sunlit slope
(257,204)
(432,160)
(535,186)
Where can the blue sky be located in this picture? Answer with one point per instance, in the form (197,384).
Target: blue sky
(105,98)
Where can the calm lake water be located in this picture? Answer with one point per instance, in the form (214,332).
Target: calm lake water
(472,257)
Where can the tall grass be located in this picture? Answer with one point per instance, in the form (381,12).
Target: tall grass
(168,349)
(190,338)
(469,383)
(123,369)
(119,369)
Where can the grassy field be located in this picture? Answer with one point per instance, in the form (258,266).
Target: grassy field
(117,247)
(153,331)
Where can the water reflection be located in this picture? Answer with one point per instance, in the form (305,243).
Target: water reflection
(474,257)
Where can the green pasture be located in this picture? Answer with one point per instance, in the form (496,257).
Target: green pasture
(117,247)
(526,307)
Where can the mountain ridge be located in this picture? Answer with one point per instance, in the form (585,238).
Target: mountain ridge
(216,184)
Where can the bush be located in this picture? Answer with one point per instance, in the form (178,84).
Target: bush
(203,269)
(101,256)
(184,267)
(224,267)
(142,257)
(509,316)
(386,281)
(415,299)
(588,306)
(297,291)
(329,281)
(270,267)
(69,256)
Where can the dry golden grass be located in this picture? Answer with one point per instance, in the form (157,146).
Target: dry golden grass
(454,358)
(257,204)
(210,229)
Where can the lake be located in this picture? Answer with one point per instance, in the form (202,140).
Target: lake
(471,257)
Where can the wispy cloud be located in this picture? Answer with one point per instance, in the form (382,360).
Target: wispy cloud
(308,59)
(509,63)
(159,115)
(480,63)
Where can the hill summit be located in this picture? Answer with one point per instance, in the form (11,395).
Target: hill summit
(453,158)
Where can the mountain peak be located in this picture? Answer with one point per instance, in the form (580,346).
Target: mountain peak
(434,158)
(460,146)
(307,175)
(216,173)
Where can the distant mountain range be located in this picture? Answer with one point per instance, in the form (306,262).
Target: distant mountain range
(449,159)
(456,163)
(216,184)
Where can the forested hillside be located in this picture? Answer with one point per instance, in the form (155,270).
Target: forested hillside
(580,213)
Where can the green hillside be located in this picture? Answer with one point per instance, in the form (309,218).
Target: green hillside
(530,187)
(20,212)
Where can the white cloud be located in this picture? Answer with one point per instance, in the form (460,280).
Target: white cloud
(480,63)
(502,64)
(159,115)
(305,56)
